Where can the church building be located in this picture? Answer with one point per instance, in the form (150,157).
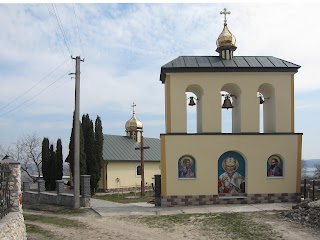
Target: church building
(248,165)
(122,163)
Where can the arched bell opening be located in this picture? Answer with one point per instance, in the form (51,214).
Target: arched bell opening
(267,113)
(231,108)
(194,95)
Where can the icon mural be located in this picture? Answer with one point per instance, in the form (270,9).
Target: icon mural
(186,167)
(274,166)
(231,172)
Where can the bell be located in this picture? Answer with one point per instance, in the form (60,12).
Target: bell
(261,100)
(191,103)
(227,103)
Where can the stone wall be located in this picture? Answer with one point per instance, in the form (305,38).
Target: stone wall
(171,201)
(12,226)
(63,199)
(59,197)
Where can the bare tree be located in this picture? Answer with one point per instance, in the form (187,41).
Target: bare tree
(27,151)
(5,151)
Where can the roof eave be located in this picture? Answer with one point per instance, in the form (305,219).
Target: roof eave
(165,70)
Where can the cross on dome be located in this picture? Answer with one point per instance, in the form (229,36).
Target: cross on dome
(133,105)
(225,14)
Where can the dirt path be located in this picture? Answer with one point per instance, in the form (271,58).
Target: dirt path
(265,225)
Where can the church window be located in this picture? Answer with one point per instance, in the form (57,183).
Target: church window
(138,172)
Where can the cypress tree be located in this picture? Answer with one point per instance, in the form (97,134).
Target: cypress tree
(59,160)
(52,169)
(89,149)
(70,158)
(83,158)
(45,154)
(98,147)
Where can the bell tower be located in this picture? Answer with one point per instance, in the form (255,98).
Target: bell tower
(209,157)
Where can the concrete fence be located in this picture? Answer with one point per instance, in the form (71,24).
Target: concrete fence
(60,196)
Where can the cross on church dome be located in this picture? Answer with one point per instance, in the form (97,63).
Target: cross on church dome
(133,105)
(225,14)
(133,124)
(226,42)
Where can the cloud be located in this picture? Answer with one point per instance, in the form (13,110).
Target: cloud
(124,46)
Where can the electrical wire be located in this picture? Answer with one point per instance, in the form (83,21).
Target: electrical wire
(53,25)
(63,83)
(75,16)
(35,95)
(34,85)
(56,13)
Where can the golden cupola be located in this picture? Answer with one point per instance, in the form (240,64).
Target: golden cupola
(226,42)
(134,126)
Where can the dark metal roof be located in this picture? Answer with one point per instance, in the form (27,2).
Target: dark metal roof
(122,148)
(217,64)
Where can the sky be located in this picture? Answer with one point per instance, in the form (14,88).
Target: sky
(124,47)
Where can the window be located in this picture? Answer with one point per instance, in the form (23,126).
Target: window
(138,172)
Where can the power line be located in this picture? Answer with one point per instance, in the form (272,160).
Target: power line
(36,94)
(46,95)
(57,34)
(60,44)
(34,85)
(75,16)
(56,13)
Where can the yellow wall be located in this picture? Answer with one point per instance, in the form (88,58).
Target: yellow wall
(211,85)
(102,182)
(206,149)
(126,172)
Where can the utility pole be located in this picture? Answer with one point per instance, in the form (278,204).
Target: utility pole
(141,148)
(76,177)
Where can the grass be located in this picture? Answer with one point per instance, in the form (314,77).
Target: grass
(55,209)
(57,221)
(234,225)
(126,197)
(33,229)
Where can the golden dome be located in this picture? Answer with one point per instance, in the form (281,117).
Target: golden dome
(133,124)
(226,40)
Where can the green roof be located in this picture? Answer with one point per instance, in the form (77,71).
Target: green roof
(122,148)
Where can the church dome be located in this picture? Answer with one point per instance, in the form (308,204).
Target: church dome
(133,124)
(226,40)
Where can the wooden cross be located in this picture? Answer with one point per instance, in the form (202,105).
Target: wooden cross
(225,14)
(141,148)
(133,105)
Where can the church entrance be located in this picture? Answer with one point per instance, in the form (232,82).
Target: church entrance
(231,173)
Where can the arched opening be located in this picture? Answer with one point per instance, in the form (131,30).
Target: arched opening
(194,95)
(267,113)
(261,100)
(231,173)
(138,170)
(191,112)
(231,108)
